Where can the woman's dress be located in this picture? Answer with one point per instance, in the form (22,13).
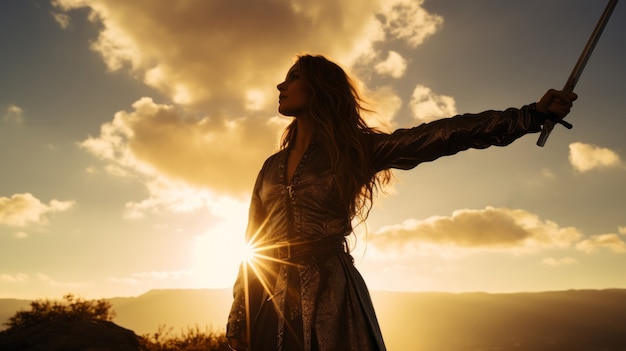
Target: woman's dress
(320,301)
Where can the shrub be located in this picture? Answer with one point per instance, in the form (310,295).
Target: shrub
(193,339)
(70,308)
(74,308)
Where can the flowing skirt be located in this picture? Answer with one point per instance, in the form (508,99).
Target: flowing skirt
(318,304)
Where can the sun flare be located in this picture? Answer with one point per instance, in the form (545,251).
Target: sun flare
(248,253)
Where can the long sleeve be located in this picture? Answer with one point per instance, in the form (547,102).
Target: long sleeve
(406,148)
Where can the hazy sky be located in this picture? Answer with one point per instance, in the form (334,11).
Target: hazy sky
(131,133)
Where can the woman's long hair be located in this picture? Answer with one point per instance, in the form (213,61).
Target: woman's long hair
(335,111)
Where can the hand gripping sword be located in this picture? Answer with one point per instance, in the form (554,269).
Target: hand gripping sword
(578,69)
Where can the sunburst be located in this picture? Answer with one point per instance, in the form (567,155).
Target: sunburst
(256,258)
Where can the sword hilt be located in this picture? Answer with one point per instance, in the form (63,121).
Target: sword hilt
(548,125)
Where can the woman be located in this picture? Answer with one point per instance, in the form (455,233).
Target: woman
(302,291)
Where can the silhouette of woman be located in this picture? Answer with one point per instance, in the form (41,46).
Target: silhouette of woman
(301,291)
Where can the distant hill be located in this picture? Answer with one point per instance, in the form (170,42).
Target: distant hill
(576,320)
(8,307)
(173,308)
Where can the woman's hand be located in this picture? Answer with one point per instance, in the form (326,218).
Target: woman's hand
(556,103)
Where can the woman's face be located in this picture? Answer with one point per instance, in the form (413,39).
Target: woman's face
(294,97)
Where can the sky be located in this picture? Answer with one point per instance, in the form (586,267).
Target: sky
(131,133)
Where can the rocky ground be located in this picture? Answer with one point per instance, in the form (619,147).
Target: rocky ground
(85,335)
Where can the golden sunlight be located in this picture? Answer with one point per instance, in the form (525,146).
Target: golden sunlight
(248,253)
(218,252)
(256,99)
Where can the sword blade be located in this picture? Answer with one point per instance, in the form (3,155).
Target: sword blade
(580,65)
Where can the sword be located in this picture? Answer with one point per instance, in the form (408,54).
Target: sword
(578,69)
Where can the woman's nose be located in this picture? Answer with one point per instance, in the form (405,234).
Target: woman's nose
(281,86)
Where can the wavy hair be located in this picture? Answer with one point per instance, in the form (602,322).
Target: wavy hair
(335,111)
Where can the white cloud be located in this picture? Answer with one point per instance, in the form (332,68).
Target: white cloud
(23,209)
(256,100)
(585,157)
(159,139)
(13,115)
(186,163)
(218,62)
(20,235)
(387,104)
(50,281)
(406,19)
(181,198)
(200,51)
(117,171)
(546,173)
(17,278)
(395,65)
(217,51)
(162,275)
(489,229)
(128,281)
(62,19)
(610,242)
(551,261)
(140,278)
(428,106)
(91,170)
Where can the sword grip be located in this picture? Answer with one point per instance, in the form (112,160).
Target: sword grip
(548,125)
(545,133)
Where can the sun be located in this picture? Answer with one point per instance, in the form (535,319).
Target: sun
(248,253)
(219,250)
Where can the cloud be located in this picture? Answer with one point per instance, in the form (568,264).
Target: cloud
(181,198)
(551,261)
(585,157)
(158,138)
(386,106)
(142,277)
(546,173)
(23,209)
(610,242)
(489,229)
(62,19)
(127,281)
(17,278)
(160,275)
(20,235)
(218,62)
(186,163)
(13,115)
(219,51)
(50,281)
(395,65)
(406,19)
(428,106)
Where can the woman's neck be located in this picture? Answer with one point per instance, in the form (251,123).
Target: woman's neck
(304,136)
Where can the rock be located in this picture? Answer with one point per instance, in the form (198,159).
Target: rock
(70,335)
